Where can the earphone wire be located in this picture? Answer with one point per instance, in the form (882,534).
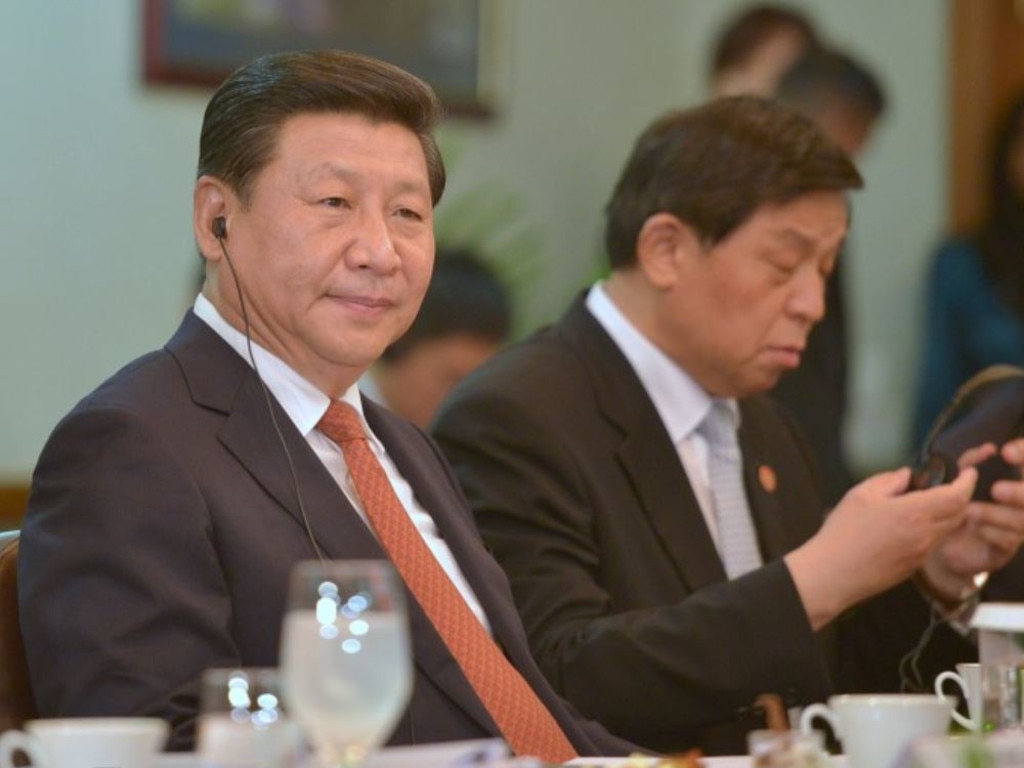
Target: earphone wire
(270,405)
(911,677)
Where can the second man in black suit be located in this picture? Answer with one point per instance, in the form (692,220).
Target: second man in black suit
(661,594)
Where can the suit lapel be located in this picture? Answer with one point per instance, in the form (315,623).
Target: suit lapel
(250,436)
(220,380)
(760,479)
(665,493)
(437,492)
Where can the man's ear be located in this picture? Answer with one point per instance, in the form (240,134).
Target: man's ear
(211,200)
(662,246)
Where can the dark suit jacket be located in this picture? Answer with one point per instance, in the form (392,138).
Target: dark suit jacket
(161,530)
(579,491)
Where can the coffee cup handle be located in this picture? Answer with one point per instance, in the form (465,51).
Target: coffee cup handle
(819,710)
(12,742)
(940,682)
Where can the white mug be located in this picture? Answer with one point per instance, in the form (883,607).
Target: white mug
(111,742)
(968,678)
(875,729)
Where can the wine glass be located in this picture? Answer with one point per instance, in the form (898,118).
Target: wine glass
(242,722)
(345,659)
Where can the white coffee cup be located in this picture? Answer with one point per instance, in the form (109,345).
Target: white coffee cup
(111,742)
(875,729)
(968,678)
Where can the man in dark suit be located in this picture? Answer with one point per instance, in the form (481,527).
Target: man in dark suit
(168,508)
(653,600)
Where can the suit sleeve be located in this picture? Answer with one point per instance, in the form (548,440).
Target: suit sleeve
(655,673)
(122,600)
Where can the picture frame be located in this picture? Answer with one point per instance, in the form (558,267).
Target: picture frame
(458,46)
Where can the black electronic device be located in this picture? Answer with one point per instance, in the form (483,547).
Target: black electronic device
(988,408)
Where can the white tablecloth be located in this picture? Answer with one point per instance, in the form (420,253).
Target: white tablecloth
(730,761)
(189,760)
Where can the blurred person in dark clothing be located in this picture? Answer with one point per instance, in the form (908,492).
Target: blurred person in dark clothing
(465,318)
(975,295)
(846,99)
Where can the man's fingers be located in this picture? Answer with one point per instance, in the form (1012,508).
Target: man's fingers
(972,457)
(1013,451)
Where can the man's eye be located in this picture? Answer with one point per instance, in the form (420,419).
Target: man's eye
(335,202)
(784,268)
(409,213)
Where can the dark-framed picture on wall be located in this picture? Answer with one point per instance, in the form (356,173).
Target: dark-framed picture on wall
(458,46)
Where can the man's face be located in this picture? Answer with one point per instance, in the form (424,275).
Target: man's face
(334,252)
(419,381)
(848,126)
(737,314)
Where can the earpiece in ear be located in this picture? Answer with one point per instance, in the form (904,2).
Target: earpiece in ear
(220,228)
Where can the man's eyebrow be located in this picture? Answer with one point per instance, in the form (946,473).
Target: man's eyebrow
(332,170)
(793,236)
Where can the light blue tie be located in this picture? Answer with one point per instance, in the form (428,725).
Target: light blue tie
(737,539)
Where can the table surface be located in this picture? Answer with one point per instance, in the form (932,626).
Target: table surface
(189,760)
(729,761)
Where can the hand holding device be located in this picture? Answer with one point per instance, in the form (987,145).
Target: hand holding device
(988,408)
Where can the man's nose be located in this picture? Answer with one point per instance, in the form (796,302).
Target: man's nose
(373,245)
(808,297)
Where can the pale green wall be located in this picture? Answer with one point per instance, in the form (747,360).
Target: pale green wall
(95,230)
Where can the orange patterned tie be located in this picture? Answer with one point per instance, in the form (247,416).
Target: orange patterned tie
(522,718)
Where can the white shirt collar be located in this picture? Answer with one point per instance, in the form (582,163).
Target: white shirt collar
(680,401)
(301,400)
(305,405)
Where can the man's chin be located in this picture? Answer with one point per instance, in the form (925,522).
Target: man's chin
(767,382)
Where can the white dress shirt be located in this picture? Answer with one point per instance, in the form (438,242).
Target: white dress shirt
(680,401)
(305,406)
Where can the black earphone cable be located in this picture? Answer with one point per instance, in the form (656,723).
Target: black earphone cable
(220,233)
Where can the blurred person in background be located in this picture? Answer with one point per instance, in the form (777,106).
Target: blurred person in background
(974,305)
(846,100)
(839,92)
(465,318)
(755,47)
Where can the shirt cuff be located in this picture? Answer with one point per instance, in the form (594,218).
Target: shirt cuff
(957,614)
